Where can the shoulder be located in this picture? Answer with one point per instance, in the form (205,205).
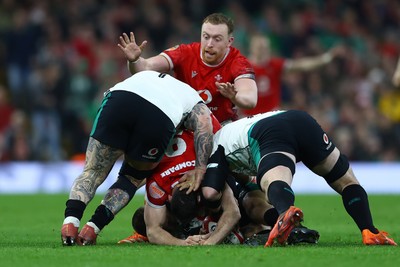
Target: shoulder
(235,53)
(190,46)
(237,59)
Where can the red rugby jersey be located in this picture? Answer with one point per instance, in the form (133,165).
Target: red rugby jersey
(179,158)
(268,78)
(188,66)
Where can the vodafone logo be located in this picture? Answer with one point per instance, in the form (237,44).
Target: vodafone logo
(176,148)
(152,152)
(205,95)
(326,139)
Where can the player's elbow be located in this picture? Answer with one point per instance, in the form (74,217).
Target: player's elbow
(248,103)
(252,103)
(152,235)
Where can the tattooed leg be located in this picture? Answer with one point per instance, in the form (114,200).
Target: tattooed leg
(121,193)
(115,200)
(100,159)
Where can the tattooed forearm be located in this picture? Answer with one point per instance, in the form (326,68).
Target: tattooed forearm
(115,200)
(200,122)
(199,111)
(100,159)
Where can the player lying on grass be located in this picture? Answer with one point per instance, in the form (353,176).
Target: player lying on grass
(183,223)
(247,231)
(269,145)
(159,189)
(163,198)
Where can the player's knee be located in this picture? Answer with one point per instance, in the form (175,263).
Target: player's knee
(210,194)
(211,199)
(273,160)
(339,170)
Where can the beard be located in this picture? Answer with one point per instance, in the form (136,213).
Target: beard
(210,59)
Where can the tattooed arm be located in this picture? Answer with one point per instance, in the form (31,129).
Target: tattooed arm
(199,121)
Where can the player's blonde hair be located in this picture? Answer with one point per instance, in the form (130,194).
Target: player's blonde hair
(219,18)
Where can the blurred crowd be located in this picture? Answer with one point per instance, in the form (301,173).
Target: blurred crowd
(58,57)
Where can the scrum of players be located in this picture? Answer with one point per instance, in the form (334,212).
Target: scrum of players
(215,184)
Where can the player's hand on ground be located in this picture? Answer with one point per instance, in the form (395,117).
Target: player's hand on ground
(196,239)
(193,240)
(128,45)
(228,90)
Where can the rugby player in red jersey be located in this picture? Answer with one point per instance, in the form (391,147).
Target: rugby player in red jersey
(269,71)
(160,188)
(218,71)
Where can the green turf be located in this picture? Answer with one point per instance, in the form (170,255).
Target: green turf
(30,236)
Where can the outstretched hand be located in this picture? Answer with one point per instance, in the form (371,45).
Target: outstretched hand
(128,45)
(228,90)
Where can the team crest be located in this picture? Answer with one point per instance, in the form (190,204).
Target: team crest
(218,78)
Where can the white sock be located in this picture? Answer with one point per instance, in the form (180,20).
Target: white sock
(73,220)
(96,229)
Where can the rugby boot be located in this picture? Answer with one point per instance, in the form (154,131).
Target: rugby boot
(381,238)
(69,234)
(302,234)
(87,236)
(284,226)
(134,238)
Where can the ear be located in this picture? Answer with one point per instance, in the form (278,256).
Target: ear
(230,40)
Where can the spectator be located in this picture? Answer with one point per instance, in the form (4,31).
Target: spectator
(33,30)
(270,69)
(17,145)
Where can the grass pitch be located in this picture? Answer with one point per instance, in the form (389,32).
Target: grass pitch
(30,236)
